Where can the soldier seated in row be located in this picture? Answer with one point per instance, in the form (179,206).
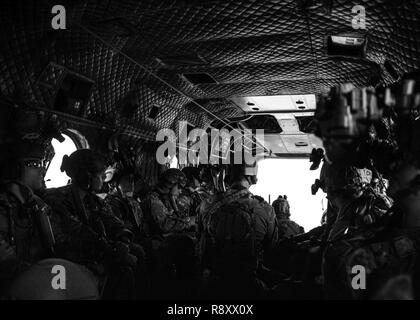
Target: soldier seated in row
(356,203)
(25,231)
(404,227)
(161,209)
(85,228)
(192,194)
(360,211)
(238,229)
(121,200)
(170,237)
(389,253)
(124,206)
(287,227)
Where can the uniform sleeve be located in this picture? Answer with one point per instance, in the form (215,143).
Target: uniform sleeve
(163,219)
(114,226)
(70,233)
(265,227)
(185,205)
(115,205)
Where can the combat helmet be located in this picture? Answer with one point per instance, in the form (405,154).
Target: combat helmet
(169,178)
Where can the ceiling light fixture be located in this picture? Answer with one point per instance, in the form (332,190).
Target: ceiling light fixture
(349,45)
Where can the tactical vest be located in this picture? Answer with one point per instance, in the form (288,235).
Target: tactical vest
(231,233)
(288,228)
(26,228)
(126,209)
(378,252)
(97,228)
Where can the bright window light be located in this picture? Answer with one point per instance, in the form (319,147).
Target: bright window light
(285,102)
(54,177)
(293,178)
(174,163)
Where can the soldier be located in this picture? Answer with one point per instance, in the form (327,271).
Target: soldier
(404,188)
(351,197)
(287,228)
(121,200)
(86,230)
(206,180)
(388,252)
(192,194)
(216,177)
(128,209)
(170,240)
(238,229)
(360,236)
(160,207)
(25,231)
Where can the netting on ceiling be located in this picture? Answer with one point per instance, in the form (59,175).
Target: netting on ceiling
(249,47)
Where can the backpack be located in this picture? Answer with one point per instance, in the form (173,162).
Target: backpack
(382,254)
(232,232)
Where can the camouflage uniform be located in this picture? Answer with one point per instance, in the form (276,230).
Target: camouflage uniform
(263,219)
(160,218)
(128,210)
(83,228)
(161,209)
(370,209)
(287,228)
(20,211)
(361,206)
(193,194)
(190,200)
(25,230)
(203,223)
(384,253)
(170,244)
(235,277)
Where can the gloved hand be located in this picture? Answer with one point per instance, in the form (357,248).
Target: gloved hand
(119,255)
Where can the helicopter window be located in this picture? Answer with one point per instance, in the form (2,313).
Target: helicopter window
(54,177)
(293,178)
(174,163)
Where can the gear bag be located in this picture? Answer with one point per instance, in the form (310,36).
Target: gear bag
(381,256)
(232,231)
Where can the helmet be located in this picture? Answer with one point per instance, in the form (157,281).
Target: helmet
(14,153)
(29,149)
(281,206)
(82,164)
(170,178)
(348,179)
(35,283)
